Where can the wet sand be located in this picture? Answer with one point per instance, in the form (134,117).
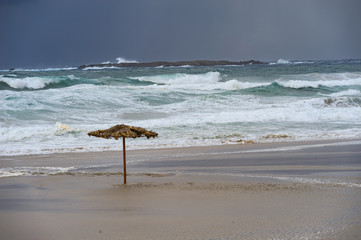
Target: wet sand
(270,191)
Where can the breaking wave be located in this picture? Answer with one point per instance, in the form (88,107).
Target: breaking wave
(39,69)
(283,61)
(182,78)
(215,80)
(203,82)
(124,60)
(100,68)
(34,83)
(320,83)
(286,62)
(349,92)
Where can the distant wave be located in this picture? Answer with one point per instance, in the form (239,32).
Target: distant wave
(302,62)
(182,78)
(317,84)
(119,60)
(324,79)
(200,82)
(214,80)
(101,68)
(38,69)
(349,92)
(326,83)
(123,60)
(285,62)
(160,64)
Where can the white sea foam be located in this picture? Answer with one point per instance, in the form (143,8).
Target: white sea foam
(27,82)
(316,84)
(101,68)
(213,81)
(42,69)
(118,60)
(33,171)
(306,115)
(339,104)
(350,92)
(310,180)
(32,82)
(236,85)
(315,80)
(38,141)
(305,180)
(300,147)
(183,78)
(63,127)
(123,60)
(302,62)
(282,61)
(206,81)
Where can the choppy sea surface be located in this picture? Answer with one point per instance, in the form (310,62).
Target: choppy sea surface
(51,110)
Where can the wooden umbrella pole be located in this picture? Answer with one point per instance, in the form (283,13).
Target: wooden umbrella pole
(123,131)
(124,162)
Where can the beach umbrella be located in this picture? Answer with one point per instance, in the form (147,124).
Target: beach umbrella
(123,131)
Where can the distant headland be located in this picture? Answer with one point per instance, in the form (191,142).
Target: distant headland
(193,63)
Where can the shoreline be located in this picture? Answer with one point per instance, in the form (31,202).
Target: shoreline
(245,143)
(160,159)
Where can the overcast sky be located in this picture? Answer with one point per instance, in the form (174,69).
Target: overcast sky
(44,33)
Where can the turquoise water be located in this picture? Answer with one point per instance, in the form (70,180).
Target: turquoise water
(51,110)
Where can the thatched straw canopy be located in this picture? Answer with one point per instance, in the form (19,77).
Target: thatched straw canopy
(122,130)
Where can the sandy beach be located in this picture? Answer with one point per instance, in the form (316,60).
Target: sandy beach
(304,190)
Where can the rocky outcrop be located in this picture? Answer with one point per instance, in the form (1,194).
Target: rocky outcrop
(172,64)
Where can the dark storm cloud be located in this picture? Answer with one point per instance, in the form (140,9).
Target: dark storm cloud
(4,2)
(72,32)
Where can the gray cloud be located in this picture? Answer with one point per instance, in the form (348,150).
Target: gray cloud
(12,2)
(74,32)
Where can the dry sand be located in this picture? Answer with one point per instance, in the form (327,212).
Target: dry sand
(188,196)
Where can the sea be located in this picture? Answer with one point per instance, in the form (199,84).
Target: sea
(51,110)
(45,111)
